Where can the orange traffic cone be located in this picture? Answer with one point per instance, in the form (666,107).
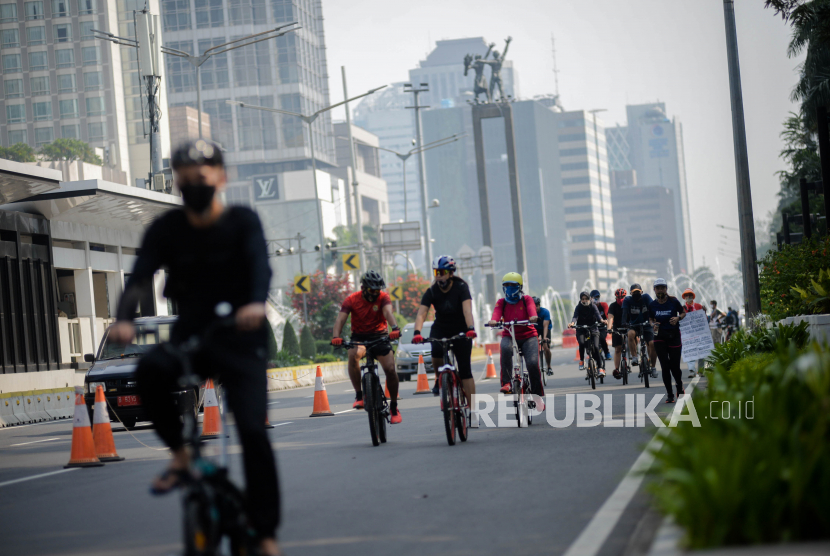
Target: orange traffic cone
(423,381)
(576,357)
(387,394)
(101,429)
(321,398)
(268,424)
(212,421)
(491,367)
(83,446)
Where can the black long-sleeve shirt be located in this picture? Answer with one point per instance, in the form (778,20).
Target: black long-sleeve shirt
(227,261)
(586,315)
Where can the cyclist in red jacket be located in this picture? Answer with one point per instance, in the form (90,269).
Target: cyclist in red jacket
(371,310)
(517,306)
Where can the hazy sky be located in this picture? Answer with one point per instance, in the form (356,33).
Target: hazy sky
(610,53)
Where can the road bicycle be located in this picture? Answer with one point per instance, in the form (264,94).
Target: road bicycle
(624,369)
(591,368)
(374,401)
(545,373)
(645,360)
(520,381)
(453,401)
(214,514)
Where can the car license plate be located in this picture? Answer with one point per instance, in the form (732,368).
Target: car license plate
(128,400)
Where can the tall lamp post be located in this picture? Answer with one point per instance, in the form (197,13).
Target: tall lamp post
(197,61)
(309,119)
(417,90)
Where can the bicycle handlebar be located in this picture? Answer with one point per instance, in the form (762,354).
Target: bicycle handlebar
(373,343)
(502,324)
(460,335)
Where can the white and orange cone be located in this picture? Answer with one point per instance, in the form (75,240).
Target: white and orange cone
(423,381)
(102,430)
(212,421)
(321,398)
(491,367)
(386,391)
(83,446)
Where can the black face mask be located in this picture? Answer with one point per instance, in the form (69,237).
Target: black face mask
(370,295)
(197,197)
(636,295)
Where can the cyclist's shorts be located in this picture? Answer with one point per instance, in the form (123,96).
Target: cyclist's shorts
(648,334)
(378,350)
(462,349)
(616,340)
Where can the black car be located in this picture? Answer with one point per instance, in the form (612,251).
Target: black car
(113,367)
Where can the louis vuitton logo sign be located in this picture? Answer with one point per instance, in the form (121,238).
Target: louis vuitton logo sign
(266,188)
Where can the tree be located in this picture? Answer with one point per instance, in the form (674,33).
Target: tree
(810,20)
(70,150)
(19,152)
(412,289)
(323,302)
(289,340)
(307,348)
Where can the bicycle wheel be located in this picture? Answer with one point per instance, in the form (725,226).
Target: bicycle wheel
(542,370)
(525,392)
(592,372)
(447,406)
(624,370)
(645,362)
(461,415)
(517,391)
(201,536)
(369,403)
(380,412)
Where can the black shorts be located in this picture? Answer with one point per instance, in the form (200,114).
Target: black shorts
(378,350)
(616,340)
(462,349)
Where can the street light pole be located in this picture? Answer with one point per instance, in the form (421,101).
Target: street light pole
(310,120)
(416,90)
(752,288)
(358,204)
(601,195)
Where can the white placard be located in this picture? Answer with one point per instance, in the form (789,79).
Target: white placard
(696,336)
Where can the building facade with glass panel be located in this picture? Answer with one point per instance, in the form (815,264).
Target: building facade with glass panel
(61,82)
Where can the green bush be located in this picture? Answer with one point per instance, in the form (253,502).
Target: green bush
(287,359)
(272,344)
(817,297)
(791,266)
(289,340)
(743,344)
(323,346)
(307,348)
(753,480)
(326,358)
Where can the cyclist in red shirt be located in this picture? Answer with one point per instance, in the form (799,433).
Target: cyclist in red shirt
(371,310)
(517,306)
(690,305)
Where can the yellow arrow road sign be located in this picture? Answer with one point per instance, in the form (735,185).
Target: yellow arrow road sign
(302,284)
(396,293)
(351,261)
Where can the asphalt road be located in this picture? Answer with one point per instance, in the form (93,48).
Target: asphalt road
(505,491)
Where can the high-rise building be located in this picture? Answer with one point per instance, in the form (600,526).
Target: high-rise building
(385,114)
(648,152)
(287,73)
(374,201)
(61,82)
(453,180)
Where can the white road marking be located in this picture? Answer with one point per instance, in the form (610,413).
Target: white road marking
(272,403)
(345,411)
(7,483)
(281,424)
(595,534)
(52,422)
(35,442)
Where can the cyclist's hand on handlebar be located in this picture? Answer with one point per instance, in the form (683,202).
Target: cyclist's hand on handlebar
(533,319)
(492,323)
(250,317)
(337,341)
(471,334)
(395,333)
(122,332)
(571,325)
(417,339)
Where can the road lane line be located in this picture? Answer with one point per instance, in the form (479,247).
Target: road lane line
(593,537)
(33,477)
(51,422)
(345,411)
(272,403)
(36,441)
(281,424)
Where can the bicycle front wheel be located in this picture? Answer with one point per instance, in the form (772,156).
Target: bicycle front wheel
(447,406)
(592,372)
(380,397)
(645,363)
(517,391)
(624,371)
(201,536)
(370,404)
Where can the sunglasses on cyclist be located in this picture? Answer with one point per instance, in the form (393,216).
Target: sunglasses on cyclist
(440,272)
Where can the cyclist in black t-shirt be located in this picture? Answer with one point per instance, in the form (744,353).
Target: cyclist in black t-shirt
(614,322)
(450,296)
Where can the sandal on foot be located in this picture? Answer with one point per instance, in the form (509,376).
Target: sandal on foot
(179,477)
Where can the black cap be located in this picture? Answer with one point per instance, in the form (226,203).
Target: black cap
(197,153)
(635,287)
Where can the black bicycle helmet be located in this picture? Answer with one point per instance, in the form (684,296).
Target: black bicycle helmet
(372,280)
(197,153)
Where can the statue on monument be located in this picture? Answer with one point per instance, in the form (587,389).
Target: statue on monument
(495,68)
(478,63)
